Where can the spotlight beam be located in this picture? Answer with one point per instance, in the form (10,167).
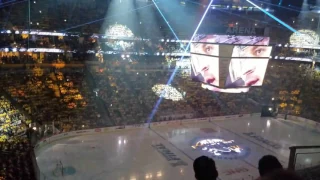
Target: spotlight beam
(280,6)
(243,17)
(11,3)
(164,18)
(273,17)
(154,110)
(120,14)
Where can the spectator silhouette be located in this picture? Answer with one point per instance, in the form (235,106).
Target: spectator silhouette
(205,168)
(268,164)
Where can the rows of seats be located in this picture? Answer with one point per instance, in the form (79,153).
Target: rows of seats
(127,88)
(130,98)
(52,94)
(16,162)
(12,120)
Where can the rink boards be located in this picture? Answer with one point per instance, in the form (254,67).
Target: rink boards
(166,150)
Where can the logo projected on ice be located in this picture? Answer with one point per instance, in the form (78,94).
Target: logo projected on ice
(221,149)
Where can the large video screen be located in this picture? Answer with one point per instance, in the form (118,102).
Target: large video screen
(229,66)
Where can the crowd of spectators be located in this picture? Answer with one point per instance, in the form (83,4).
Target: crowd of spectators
(125,87)
(127,90)
(12,121)
(16,162)
(53,98)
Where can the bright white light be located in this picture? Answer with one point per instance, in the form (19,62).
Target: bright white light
(14,50)
(270,109)
(146,74)
(40,11)
(37,24)
(273,99)
(34,128)
(34,2)
(65,20)
(248,124)
(240,8)
(268,123)
(118,31)
(124,141)
(304,37)
(137,73)
(119,142)
(128,55)
(6,49)
(312,19)
(122,56)
(8,32)
(82,125)
(307,160)
(236,23)
(167,92)
(267,9)
(159,174)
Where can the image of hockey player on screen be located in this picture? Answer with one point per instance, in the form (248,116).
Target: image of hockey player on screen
(248,66)
(205,61)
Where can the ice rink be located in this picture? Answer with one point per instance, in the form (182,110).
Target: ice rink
(167,152)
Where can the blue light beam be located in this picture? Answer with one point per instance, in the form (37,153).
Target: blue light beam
(154,110)
(273,17)
(120,14)
(175,35)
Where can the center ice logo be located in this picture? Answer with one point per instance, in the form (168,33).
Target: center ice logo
(220,148)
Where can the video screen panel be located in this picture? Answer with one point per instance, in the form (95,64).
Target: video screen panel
(232,39)
(205,69)
(229,66)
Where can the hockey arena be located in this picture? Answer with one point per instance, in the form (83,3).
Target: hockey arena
(167,151)
(159,89)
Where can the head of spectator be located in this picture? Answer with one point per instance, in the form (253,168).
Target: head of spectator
(205,168)
(268,164)
(282,175)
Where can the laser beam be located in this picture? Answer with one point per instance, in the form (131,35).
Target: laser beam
(120,14)
(273,17)
(154,110)
(164,18)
